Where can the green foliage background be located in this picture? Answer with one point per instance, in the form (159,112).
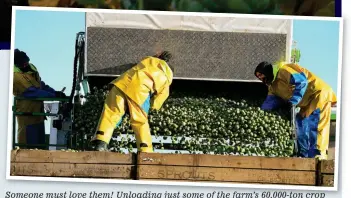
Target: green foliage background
(276,7)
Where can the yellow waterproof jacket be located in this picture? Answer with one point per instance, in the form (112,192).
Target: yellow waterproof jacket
(296,85)
(152,76)
(29,84)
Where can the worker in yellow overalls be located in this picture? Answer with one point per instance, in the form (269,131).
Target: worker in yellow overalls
(27,83)
(144,86)
(288,82)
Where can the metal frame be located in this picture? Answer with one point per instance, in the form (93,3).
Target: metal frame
(15,113)
(294,129)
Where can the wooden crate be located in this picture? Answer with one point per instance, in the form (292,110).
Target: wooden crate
(326,173)
(90,164)
(236,169)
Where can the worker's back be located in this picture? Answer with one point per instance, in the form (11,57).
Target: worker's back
(283,87)
(149,76)
(21,82)
(315,84)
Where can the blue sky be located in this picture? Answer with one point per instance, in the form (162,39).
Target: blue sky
(48,37)
(318,42)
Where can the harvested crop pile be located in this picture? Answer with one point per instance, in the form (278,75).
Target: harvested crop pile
(200,124)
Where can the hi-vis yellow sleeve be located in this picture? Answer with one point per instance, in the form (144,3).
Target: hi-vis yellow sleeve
(159,98)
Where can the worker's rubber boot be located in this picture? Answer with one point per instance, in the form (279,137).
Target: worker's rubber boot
(145,148)
(99,145)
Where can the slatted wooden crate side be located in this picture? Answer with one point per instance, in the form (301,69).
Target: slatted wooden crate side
(216,168)
(87,164)
(215,174)
(199,181)
(327,166)
(72,170)
(326,171)
(202,160)
(86,157)
(327,180)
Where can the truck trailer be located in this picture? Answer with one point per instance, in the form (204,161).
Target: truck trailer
(211,54)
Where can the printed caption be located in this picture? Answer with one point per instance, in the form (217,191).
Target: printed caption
(149,194)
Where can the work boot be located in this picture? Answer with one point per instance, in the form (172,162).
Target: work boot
(145,148)
(99,145)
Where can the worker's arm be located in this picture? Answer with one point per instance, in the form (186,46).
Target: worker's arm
(47,87)
(159,98)
(34,92)
(57,94)
(271,102)
(21,87)
(42,83)
(299,81)
(44,90)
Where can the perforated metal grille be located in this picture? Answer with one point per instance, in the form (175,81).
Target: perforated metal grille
(197,54)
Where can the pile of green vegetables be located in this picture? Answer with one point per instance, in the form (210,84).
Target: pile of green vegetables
(198,124)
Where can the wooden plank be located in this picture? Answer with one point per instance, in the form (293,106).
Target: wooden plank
(327,180)
(327,166)
(85,157)
(227,161)
(199,181)
(72,170)
(225,174)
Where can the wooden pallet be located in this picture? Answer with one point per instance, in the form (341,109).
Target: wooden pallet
(238,169)
(72,164)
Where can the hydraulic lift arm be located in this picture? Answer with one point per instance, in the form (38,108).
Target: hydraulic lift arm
(66,110)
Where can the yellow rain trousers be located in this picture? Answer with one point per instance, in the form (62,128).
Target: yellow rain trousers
(31,129)
(302,88)
(142,87)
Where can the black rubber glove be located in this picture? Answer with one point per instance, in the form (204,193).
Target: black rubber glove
(152,111)
(60,94)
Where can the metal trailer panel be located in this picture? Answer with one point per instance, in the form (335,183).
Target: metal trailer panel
(204,48)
